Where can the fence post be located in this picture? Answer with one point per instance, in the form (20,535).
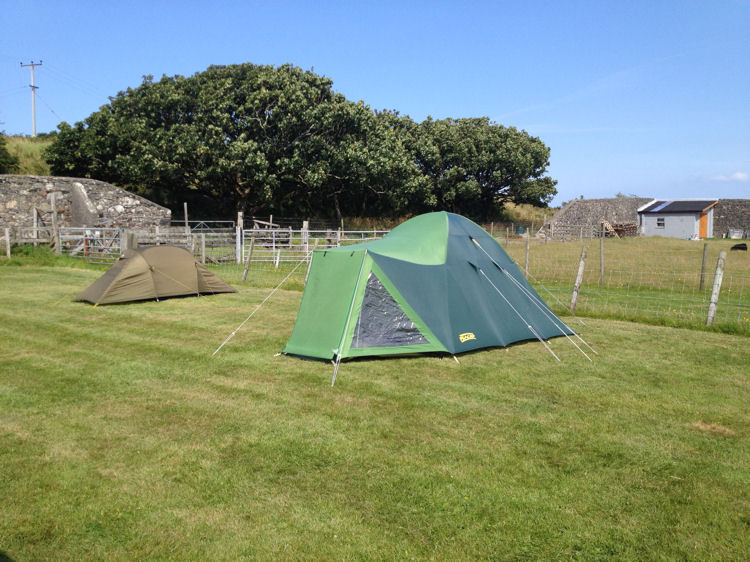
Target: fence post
(238,242)
(601,260)
(526,266)
(338,237)
(716,288)
(306,235)
(203,247)
(128,241)
(492,229)
(506,236)
(55,227)
(249,257)
(36,226)
(579,279)
(7,243)
(187,225)
(703,266)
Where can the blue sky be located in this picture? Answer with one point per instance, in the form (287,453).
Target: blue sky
(650,98)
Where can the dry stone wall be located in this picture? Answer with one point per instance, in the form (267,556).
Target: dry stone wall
(588,214)
(79,202)
(732,214)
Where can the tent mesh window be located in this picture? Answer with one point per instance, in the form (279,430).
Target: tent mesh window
(381,321)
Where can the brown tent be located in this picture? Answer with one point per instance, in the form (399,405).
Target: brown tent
(153,273)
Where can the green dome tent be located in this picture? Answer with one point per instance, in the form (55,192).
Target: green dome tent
(435,283)
(155,272)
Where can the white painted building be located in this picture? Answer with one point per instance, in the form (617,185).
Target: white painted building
(678,218)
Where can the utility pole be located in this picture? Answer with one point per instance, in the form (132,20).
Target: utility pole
(33,95)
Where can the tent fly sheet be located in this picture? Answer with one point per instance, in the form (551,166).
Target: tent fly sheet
(436,283)
(153,273)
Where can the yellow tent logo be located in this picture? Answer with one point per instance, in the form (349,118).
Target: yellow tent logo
(466,336)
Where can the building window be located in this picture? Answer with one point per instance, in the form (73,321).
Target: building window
(659,222)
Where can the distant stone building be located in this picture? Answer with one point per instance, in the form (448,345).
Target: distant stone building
(27,200)
(584,217)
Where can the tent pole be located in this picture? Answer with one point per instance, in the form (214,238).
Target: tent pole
(335,369)
(348,318)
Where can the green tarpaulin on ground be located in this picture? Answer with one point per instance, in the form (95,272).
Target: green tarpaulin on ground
(151,273)
(436,283)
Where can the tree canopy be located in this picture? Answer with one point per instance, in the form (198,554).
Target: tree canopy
(281,140)
(8,162)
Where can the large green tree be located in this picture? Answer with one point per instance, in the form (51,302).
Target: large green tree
(245,137)
(475,165)
(279,139)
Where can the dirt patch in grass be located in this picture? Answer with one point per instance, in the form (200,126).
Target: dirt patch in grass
(712,428)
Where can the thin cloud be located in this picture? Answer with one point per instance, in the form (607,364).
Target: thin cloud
(737,176)
(613,81)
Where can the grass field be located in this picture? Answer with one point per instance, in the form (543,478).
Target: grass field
(122,438)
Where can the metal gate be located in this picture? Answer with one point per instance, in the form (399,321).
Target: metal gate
(97,245)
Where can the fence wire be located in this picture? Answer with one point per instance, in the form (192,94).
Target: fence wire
(666,281)
(661,280)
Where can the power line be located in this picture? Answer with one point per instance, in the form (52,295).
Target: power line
(12,91)
(78,83)
(50,108)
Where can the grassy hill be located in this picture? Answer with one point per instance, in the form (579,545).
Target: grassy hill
(29,152)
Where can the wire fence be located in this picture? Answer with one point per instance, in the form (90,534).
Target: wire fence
(661,280)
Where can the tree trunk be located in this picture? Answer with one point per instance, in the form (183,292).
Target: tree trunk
(336,206)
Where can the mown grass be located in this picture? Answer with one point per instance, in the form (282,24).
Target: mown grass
(122,438)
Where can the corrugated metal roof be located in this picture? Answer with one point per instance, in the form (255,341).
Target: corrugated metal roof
(680,206)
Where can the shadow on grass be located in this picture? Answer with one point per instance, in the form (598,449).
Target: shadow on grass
(4,557)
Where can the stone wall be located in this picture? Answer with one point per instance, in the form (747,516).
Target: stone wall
(588,214)
(731,213)
(79,202)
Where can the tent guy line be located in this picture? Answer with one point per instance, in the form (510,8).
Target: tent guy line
(528,325)
(549,314)
(257,308)
(538,303)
